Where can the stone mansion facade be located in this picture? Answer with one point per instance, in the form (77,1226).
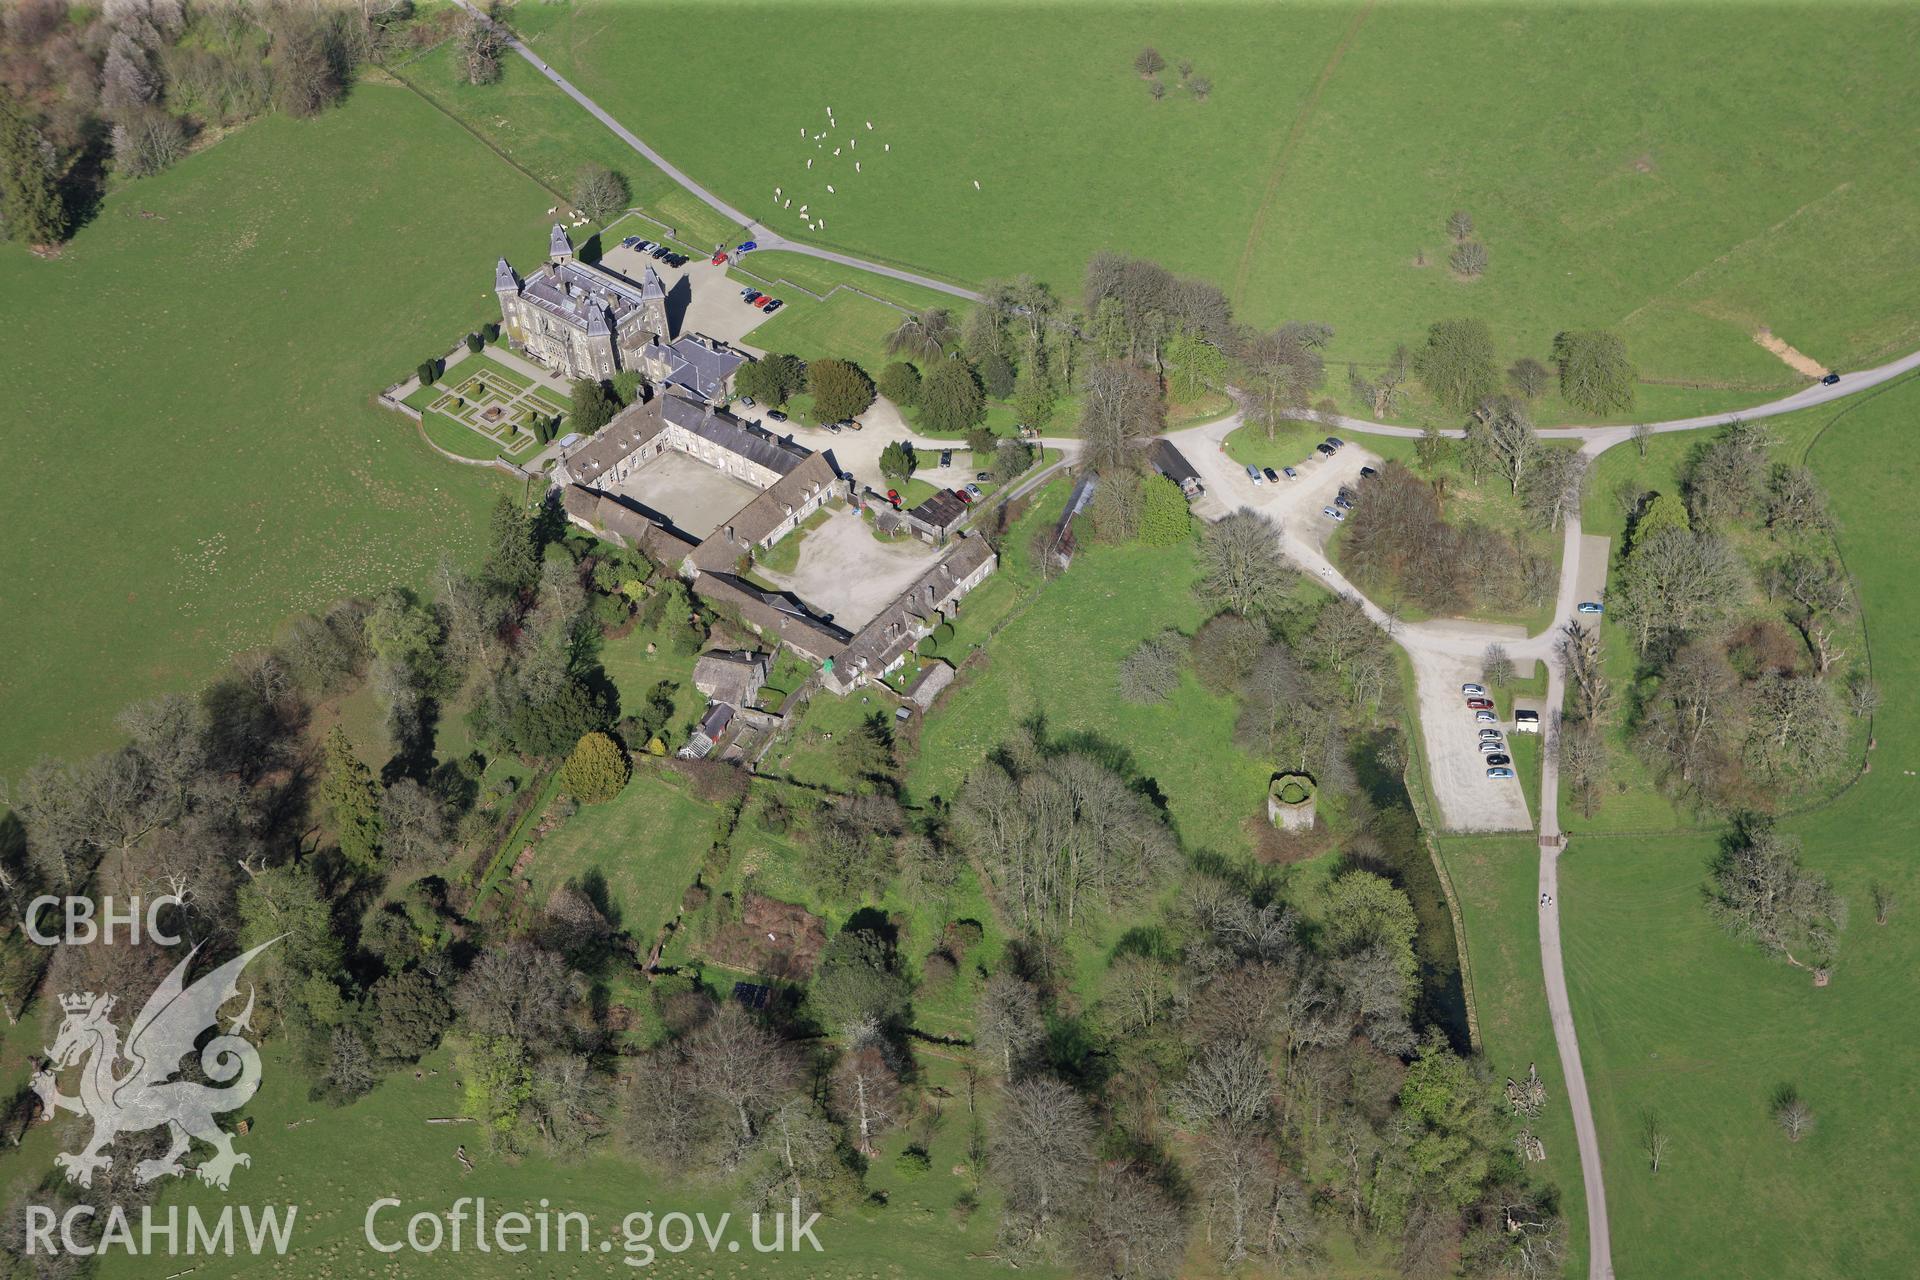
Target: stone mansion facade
(578,319)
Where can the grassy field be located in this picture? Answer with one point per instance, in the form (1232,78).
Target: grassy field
(203,457)
(1615,178)
(1679,1019)
(1496,881)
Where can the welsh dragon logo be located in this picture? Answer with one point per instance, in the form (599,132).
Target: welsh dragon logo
(143,1094)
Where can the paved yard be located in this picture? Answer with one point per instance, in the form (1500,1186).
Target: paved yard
(848,574)
(695,497)
(700,298)
(857,453)
(1469,800)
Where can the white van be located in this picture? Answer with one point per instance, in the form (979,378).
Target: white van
(1526,722)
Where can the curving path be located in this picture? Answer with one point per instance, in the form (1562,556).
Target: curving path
(1429,639)
(751,229)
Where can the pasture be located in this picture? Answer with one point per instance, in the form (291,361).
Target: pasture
(201,457)
(1685,175)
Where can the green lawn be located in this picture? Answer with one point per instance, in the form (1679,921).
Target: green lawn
(1616,178)
(176,487)
(1678,1018)
(648,842)
(1496,881)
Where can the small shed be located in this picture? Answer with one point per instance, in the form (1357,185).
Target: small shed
(1173,464)
(937,517)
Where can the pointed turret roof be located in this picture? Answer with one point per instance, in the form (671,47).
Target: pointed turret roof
(558,245)
(504,281)
(650,286)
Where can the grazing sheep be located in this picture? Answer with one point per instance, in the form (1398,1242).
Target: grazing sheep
(788,204)
(836,151)
(976,184)
(829,188)
(869,124)
(886,146)
(809,162)
(856,166)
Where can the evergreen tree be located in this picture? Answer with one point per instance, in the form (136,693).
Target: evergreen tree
(1164,518)
(30,205)
(350,792)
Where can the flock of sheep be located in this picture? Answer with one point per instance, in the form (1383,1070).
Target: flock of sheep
(849,147)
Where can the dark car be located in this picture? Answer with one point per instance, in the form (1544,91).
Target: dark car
(946,457)
(1336,442)
(747,246)
(1272,475)
(1368,473)
(751,296)
(1496,760)
(983,476)
(1830,379)
(676,259)
(1324,450)
(1289,473)
(774,305)
(630,242)
(776,415)
(659,251)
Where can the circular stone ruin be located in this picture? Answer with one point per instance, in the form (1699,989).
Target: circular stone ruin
(1290,801)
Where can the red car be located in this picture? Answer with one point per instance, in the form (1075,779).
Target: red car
(893,496)
(720,259)
(1479,704)
(964,496)
(762,301)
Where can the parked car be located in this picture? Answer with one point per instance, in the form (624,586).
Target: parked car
(1368,473)
(747,401)
(1479,704)
(1324,450)
(1500,771)
(1485,717)
(644,246)
(775,305)
(763,302)
(1489,733)
(964,496)
(893,496)
(1270,474)
(747,246)
(629,242)
(776,415)
(719,259)
(1473,690)
(659,251)
(853,424)
(1491,744)
(1289,473)
(676,260)
(1253,474)
(1589,606)
(946,457)
(1334,513)
(751,296)
(973,491)
(1336,442)
(1830,379)
(1498,760)
(1343,502)
(983,476)
(833,428)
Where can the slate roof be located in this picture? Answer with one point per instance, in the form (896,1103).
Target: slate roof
(696,363)
(773,614)
(629,429)
(504,281)
(558,245)
(895,629)
(1172,464)
(659,543)
(717,425)
(730,677)
(942,512)
(760,517)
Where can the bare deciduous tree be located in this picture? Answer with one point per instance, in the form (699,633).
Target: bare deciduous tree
(1241,565)
(1792,1114)
(740,1064)
(1008,1030)
(1496,666)
(1042,1154)
(1134,1229)
(1123,410)
(1761,892)
(1653,1139)
(599,192)
(925,334)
